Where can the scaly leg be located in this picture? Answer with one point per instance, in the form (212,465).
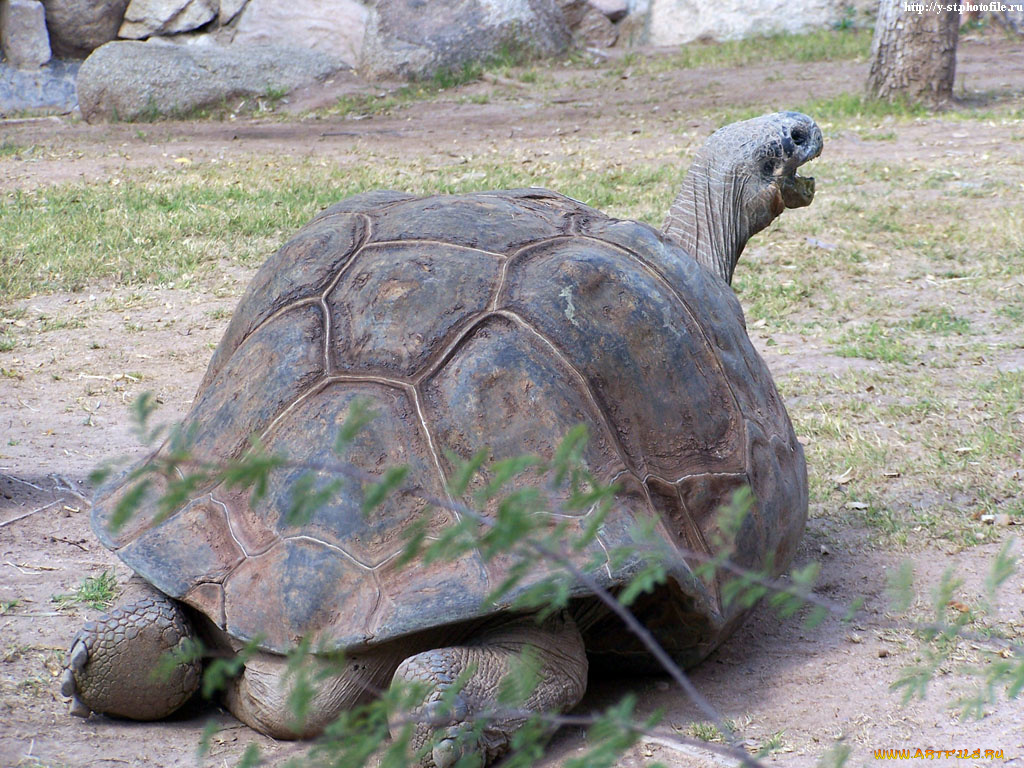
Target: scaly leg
(117,665)
(491,656)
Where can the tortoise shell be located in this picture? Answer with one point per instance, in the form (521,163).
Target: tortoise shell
(492,320)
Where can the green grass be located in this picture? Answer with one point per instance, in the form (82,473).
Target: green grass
(10,149)
(95,591)
(847,106)
(818,45)
(873,342)
(183,223)
(705,732)
(940,321)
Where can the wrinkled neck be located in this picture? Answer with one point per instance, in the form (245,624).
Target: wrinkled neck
(707,220)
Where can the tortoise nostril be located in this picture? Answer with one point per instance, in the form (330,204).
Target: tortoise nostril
(799,136)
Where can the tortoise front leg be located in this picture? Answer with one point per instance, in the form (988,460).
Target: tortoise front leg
(117,665)
(488,659)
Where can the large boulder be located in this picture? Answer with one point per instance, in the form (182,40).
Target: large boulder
(23,33)
(672,22)
(614,10)
(145,18)
(418,38)
(589,26)
(229,9)
(49,88)
(334,27)
(78,27)
(128,80)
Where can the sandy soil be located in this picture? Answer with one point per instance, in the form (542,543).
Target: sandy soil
(63,411)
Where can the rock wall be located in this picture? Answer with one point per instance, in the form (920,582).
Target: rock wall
(674,22)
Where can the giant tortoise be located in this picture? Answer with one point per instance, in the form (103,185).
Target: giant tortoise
(494,320)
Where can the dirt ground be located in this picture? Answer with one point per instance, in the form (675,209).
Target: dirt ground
(63,410)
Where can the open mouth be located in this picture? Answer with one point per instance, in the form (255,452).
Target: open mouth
(797,191)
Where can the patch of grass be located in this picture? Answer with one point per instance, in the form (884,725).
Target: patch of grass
(769,296)
(846,106)
(380,103)
(7,606)
(47,323)
(873,342)
(887,136)
(818,45)
(706,732)
(95,591)
(939,320)
(7,341)
(159,228)
(776,742)
(10,149)
(275,93)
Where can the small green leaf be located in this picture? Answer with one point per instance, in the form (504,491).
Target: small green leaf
(464,471)
(504,470)
(1004,565)
(359,415)
(375,493)
(128,505)
(901,586)
(645,581)
(306,499)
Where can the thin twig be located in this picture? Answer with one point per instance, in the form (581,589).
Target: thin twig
(64,485)
(23,482)
(29,514)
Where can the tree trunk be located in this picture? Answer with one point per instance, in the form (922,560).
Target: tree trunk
(913,53)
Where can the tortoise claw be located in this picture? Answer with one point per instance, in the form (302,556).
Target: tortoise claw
(79,655)
(446,753)
(67,684)
(78,709)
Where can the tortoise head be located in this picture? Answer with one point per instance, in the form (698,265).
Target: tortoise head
(743,177)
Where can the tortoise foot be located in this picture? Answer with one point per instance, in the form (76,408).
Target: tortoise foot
(133,662)
(450,726)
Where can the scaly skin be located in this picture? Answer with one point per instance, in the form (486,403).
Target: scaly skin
(113,662)
(562,680)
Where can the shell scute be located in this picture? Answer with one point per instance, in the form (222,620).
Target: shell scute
(649,362)
(478,221)
(394,438)
(300,271)
(288,352)
(300,588)
(396,307)
(192,546)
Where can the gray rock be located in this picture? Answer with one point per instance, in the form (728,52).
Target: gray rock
(418,38)
(145,18)
(589,27)
(23,33)
(614,10)
(335,27)
(131,80)
(673,22)
(50,88)
(78,27)
(229,9)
